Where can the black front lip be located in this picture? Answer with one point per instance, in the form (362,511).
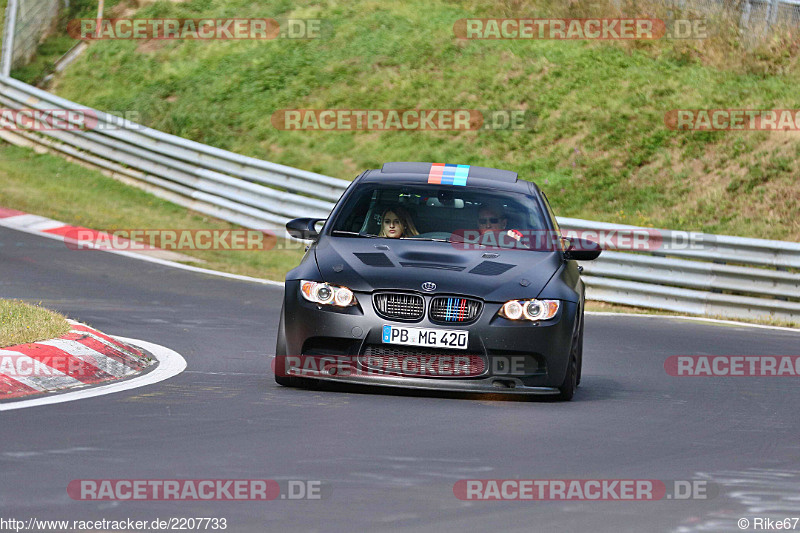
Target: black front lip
(494,385)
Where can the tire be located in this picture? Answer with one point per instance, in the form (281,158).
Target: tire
(280,350)
(566,390)
(580,353)
(285,381)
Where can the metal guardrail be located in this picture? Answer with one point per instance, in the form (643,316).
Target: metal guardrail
(231,186)
(693,273)
(9,30)
(696,273)
(702,246)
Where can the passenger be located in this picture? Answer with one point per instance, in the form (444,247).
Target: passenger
(492,217)
(492,224)
(396,222)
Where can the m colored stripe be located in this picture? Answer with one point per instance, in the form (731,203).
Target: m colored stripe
(447,174)
(435,174)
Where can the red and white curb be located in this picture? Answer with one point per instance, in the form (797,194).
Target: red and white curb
(81,358)
(66,233)
(53,229)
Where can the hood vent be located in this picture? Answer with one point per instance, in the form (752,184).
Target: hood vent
(432,265)
(375,259)
(491,268)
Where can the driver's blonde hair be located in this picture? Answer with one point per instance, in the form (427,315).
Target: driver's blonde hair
(409,230)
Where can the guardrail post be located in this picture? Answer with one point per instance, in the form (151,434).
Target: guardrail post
(8,37)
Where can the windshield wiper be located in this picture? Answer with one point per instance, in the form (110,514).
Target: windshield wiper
(461,240)
(353,234)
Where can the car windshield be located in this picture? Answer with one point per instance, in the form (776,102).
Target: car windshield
(441,213)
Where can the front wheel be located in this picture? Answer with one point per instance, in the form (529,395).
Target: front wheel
(566,390)
(280,354)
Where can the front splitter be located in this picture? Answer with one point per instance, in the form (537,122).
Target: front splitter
(493,385)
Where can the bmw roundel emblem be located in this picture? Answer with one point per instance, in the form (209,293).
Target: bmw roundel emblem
(428,286)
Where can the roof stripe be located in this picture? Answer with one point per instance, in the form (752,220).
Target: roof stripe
(447,174)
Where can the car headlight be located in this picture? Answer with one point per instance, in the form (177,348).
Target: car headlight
(532,310)
(326,294)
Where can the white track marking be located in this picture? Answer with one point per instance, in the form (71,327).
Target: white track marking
(696,319)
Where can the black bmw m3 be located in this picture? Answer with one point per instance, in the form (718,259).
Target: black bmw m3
(436,276)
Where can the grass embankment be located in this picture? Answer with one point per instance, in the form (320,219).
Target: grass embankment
(21,323)
(600,148)
(49,186)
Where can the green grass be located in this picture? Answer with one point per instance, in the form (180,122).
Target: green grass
(46,55)
(57,43)
(599,149)
(47,185)
(21,323)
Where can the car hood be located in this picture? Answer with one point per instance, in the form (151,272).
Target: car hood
(366,265)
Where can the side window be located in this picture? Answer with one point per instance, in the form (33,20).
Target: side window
(353,219)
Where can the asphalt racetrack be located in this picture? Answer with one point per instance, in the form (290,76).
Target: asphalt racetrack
(387,461)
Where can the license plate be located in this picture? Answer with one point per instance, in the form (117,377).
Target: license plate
(429,337)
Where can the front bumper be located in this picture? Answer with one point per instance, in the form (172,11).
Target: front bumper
(518,357)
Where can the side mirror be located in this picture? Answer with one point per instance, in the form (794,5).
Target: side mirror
(304,228)
(581,249)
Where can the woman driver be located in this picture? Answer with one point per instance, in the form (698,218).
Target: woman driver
(396,222)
